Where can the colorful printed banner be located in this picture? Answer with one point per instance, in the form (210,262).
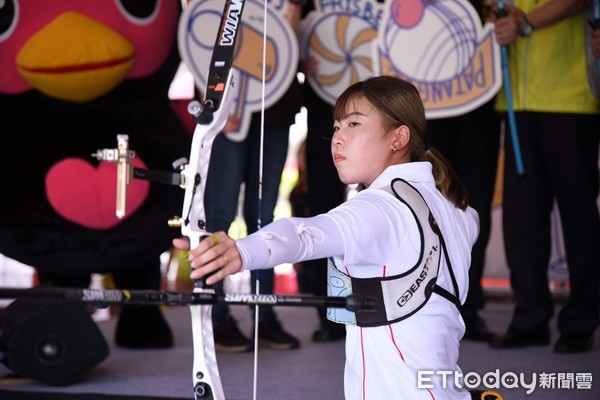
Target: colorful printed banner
(197,31)
(438,45)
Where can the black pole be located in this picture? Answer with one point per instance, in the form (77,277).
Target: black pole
(102,298)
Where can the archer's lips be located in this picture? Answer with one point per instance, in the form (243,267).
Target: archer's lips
(338,158)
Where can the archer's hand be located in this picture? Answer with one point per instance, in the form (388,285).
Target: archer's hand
(216,257)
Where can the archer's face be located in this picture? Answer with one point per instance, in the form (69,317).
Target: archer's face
(360,148)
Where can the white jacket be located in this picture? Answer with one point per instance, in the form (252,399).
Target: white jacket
(374,234)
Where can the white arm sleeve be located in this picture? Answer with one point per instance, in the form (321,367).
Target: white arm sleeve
(366,230)
(290,240)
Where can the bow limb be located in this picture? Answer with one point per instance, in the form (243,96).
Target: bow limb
(206,378)
(211,117)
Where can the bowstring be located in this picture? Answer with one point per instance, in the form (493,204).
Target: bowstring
(260,188)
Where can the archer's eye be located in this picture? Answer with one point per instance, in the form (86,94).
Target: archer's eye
(9,16)
(138,11)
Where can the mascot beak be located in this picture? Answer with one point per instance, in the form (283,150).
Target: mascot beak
(75,58)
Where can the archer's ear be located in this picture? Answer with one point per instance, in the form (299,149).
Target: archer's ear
(401,137)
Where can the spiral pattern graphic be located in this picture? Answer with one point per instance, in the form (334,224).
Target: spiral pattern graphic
(342,44)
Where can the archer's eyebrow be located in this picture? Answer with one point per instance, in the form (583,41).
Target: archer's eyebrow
(354,113)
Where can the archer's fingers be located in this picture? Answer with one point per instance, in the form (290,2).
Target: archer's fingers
(230,267)
(207,243)
(220,266)
(201,270)
(181,244)
(216,252)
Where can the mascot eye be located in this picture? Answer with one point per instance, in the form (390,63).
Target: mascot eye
(9,15)
(138,11)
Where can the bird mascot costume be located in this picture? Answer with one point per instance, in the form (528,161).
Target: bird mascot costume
(74,74)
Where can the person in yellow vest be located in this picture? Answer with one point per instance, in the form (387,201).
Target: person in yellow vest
(558,125)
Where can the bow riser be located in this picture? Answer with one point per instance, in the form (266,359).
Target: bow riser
(193,224)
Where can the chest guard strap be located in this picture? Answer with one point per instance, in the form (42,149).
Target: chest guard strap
(399,296)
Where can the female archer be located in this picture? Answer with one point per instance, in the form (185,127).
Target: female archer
(406,239)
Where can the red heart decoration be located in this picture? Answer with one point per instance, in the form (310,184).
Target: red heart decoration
(87,196)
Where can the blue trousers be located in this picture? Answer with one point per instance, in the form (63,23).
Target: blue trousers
(233,164)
